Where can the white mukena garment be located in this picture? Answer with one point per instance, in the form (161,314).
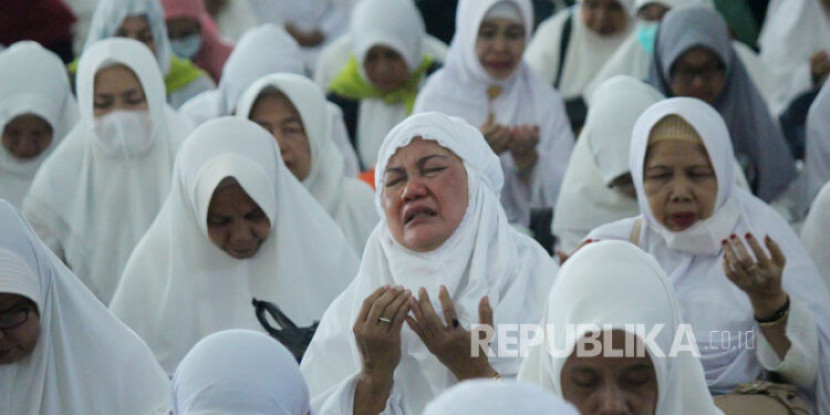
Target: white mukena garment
(347,200)
(488,397)
(96,195)
(235,372)
(33,81)
(615,285)
(178,286)
(86,361)
(485,256)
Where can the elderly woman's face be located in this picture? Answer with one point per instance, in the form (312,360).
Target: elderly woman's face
(235,222)
(275,113)
(604,17)
(610,385)
(500,45)
(19,327)
(680,183)
(138,28)
(385,68)
(698,73)
(117,88)
(424,194)
(26,136)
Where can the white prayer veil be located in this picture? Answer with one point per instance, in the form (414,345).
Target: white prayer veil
(487,397)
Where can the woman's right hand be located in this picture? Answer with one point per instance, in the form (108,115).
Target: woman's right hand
(564,257)
(497,136)
(378,332)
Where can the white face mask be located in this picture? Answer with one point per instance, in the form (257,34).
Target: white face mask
(187,47)
(125,133)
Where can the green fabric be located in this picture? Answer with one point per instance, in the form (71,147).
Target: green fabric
(182,73)
(350,84)
(740,19)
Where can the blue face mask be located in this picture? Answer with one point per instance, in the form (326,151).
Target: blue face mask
(187,47)
(647,35)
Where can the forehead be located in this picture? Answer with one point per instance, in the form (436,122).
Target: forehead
(135,23)
(670,153)
(382,50)
(500,23)
(9,300)
(619,338)
(28,121)
(416,150)
(274,103)
(116,78)
(698,56)
(229,195)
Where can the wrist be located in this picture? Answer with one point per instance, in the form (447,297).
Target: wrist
(477,372)
(379,381)
(769,309)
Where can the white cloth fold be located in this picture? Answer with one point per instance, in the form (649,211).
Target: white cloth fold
(486,397)
(86,361)
(815,234)
(178,286)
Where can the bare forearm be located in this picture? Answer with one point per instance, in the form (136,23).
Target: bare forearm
(776,332)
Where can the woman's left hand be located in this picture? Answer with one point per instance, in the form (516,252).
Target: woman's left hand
(450,342)
(523,144)
(759,278)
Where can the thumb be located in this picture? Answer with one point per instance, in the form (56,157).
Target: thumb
(485,311)
(491,119)
(562,256)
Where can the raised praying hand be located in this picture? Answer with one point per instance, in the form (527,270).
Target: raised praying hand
(759,277)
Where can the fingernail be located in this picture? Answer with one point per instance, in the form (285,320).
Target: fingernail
(723,242)
(399,288)
(748,235)
(733,236)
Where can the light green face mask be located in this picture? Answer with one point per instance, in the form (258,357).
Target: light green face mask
(647,34)
(187,47)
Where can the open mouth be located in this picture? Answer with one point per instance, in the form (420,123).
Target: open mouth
(416,214)
(684,219)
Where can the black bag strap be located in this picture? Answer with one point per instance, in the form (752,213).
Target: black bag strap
(295,339)
(564,43)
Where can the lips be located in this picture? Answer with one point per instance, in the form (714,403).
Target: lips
(416,214)
(242,252)
(499,65)
(683,219)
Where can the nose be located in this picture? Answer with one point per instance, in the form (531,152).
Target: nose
(500,44)
(26,147)
(240,232)
(413,190)
(681,189)
(612,401)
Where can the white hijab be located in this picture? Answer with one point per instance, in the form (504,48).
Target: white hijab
(815,234)
(600,156)
(179,286)
(486,397)
(32,81)
(693,259)
(347,200)
(239,372)
(615,283)
(460,89)
(85,361)
(484,256)
(817,152)
(89,206)
(109,14)
(587,50)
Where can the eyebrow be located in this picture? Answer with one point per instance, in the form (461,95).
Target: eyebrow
(291,119)
(420,163)
(18,304)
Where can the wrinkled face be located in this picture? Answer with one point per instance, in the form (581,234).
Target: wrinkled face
(182,27)
(137,28)
(385,68)
(424,195)
(117,88)
(698,73)
(26,136)
(275,113)
(680,183)
(19,327)
(604,17)
(610,385)
(235,222)
(652,12)
(500,45)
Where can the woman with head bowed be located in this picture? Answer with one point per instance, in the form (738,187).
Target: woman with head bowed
(37,110)
(522,118)
(236,225)
(607,298)
(486,397)
(444,251)
(735,264)
(694,57)
(61,351)
(239,372)
(193,35)
(96,195)
(293,109)
(143,21)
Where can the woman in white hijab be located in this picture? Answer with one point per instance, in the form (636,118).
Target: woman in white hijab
(815,234)
(97,194)
(570,47)
(521,116)
(37,110)
(143,20)
(245,66)
(444,234)
(795,46)
(486,397)
(694,220)
(377,86)
(235,225)
(817,150)
(293,109)
(614,294)
(61,351)
(597,188)
(239,372)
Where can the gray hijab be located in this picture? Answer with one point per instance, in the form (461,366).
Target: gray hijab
(759,144)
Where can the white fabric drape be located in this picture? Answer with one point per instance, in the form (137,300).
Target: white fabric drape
(347,200)
(600,156)
(817,149)
(815,234)
(588,291)
(484,256)
(239,372)
(460,89)
(179,286)
(32,81)
(85,361)
(92,207)
(486,397)
(693,260)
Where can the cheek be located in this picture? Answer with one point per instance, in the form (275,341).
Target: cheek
(262,230)
(217,235)
(482,46)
